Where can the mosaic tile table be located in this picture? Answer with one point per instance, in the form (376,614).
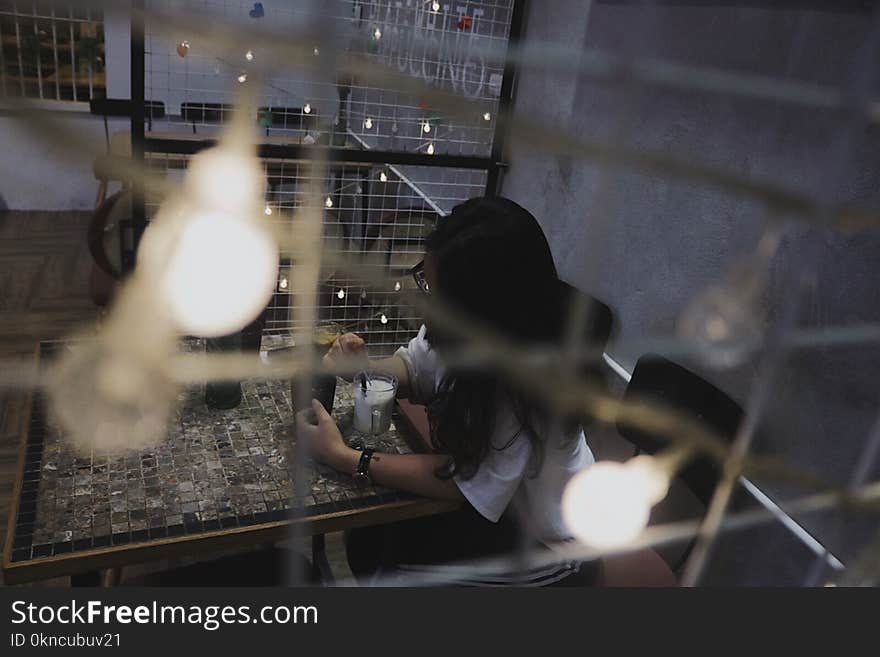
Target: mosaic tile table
(219,480)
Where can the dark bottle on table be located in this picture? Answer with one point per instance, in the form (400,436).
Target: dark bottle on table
(321,386)
(222,394)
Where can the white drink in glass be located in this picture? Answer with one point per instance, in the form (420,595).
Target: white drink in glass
(372,407)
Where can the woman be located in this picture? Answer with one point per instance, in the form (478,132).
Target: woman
(496,449)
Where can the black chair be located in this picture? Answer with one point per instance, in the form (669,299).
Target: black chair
(658,380)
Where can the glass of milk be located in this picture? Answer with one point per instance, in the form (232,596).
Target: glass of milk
(374,394)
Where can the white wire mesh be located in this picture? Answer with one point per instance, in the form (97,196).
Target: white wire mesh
(195,79)
(374,215)
(52,50)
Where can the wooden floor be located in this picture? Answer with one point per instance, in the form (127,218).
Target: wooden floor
(44,293)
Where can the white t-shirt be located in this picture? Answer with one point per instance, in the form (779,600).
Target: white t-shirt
(507,475)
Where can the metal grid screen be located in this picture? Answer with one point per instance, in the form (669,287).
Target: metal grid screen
(52,50)
(193,78)
(375,216)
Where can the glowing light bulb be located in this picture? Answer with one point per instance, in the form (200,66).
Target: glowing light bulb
(435,6)
(487,116)
(307,109)
(431,148)
(328,202)
(383,319)
(220,275)
(383,177)
(183,48)
(249,55)
(377,34)
(316,52)
(368,123)
(426,127)
(267,211)
(341,293)
(242,78)
(283,283)
(397,286)
(606,505)
(363,294)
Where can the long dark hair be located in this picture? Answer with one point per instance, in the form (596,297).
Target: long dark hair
(493,264)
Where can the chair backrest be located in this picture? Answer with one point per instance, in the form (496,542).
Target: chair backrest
(658,380)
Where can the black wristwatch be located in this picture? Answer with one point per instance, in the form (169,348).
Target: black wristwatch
(362,474)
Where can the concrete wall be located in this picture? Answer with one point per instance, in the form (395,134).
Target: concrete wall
(647,243)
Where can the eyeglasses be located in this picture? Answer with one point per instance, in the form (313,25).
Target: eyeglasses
(418,274)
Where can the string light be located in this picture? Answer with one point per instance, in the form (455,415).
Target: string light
(377,34)
(397,286)
(328,202)
(431,148)
(383,319)
(363,294)
(242,78)
(267,211)
(383,177)
(283,283)
(341,293)
(249,55)
(368,123)
(608,504)
(435,6)
(183,48)
(220,274)
(487,116)
(426,126)
(307,109)
(316,52)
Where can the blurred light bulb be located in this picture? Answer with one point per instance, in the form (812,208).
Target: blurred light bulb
(183,48)
(487,116)
(377,34)
(220,275)
(606,505)
(724,323)
(341,293)
(242,78)
(383,319)
(283,283)
(383,177)
(431,148)
(363,294)
(368,123)
(328,202)
(249,55)
(267,211)
(307,109)
(316,52)
(397,286)
(435,5)
(426,127)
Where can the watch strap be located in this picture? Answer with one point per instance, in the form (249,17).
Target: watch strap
(363,468)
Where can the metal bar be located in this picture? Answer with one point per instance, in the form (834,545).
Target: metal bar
(72,54)
(3,62)
(39,57)
(138,207)
(505,101)
(332,154)
(18,50)
(55,55)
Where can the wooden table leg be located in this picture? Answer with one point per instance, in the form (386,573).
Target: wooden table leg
(319,559)
(111,577)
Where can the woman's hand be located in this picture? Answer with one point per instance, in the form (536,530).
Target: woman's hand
(347,356)
(324,441)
